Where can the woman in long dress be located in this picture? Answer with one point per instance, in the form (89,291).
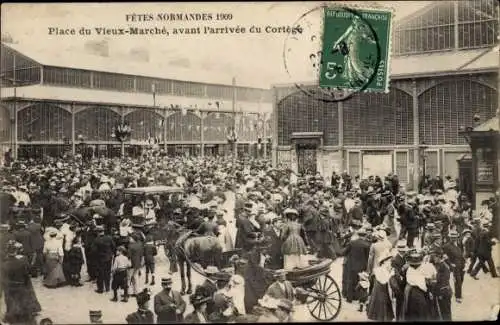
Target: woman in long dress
(54,255)
(20,298)
(417,303)
(380,305)
(294,245)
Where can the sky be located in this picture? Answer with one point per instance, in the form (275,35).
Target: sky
(258,57)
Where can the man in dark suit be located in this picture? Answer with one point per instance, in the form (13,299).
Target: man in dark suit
(104,248)
(398,282)
(281,288)
(169,306)
(409,222)
(456,259)
(483,251)
(23,236)
(356,212)
(357,252)
(199,314)
(272,236)
(35,230)
(244,227)
(143,315)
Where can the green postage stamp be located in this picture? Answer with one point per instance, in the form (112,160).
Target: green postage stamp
(356,49)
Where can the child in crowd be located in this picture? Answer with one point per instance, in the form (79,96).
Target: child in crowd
(75,261)
(119,270)
(150,252)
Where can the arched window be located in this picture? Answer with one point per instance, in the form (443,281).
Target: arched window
(300,112)
(146,124)
(96,123)
(43,122)
(216,125)
(379,119)
(444,108)
(182,127)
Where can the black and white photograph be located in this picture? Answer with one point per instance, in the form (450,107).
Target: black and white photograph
(249,162)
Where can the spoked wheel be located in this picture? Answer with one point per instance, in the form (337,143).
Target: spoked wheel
(325,301)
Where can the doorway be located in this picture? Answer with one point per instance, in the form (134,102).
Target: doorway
(377,164)
(307,158)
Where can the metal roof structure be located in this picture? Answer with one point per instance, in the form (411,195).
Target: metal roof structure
(445,63)
(84,61)
(103,97)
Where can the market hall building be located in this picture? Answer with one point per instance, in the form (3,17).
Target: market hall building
(444,72)
(71,102)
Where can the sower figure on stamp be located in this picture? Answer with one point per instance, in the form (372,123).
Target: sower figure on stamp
(355,70)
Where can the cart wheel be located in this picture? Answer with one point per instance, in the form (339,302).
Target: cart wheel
(326,306)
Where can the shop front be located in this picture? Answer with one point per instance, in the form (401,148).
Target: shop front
(484,141)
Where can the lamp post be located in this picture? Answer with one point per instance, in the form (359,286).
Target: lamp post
(82,146)
(422,148)
(232,139)
(29,138)
(122,132)
(233,133)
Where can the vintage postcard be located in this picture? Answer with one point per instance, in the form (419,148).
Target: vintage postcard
(242,162)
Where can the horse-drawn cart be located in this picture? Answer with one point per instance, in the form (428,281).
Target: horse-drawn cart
(323,296)
(315,287)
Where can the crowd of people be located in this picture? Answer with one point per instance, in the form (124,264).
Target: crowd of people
(400,249)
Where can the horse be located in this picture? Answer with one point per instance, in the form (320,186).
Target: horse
(192,248)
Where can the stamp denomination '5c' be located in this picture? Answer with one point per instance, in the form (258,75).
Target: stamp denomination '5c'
(356,49)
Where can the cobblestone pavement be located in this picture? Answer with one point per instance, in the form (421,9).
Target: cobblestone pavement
(70,305)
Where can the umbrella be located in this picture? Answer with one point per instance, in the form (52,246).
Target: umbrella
(108,214)
(84,214)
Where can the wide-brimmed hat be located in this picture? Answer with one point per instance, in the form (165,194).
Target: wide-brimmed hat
(166,281)
(197,300)
(290,211)
(211,270)
(466,231)
(143,297)
(401,246)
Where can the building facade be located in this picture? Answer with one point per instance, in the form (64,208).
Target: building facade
(53,105)
(444,70)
